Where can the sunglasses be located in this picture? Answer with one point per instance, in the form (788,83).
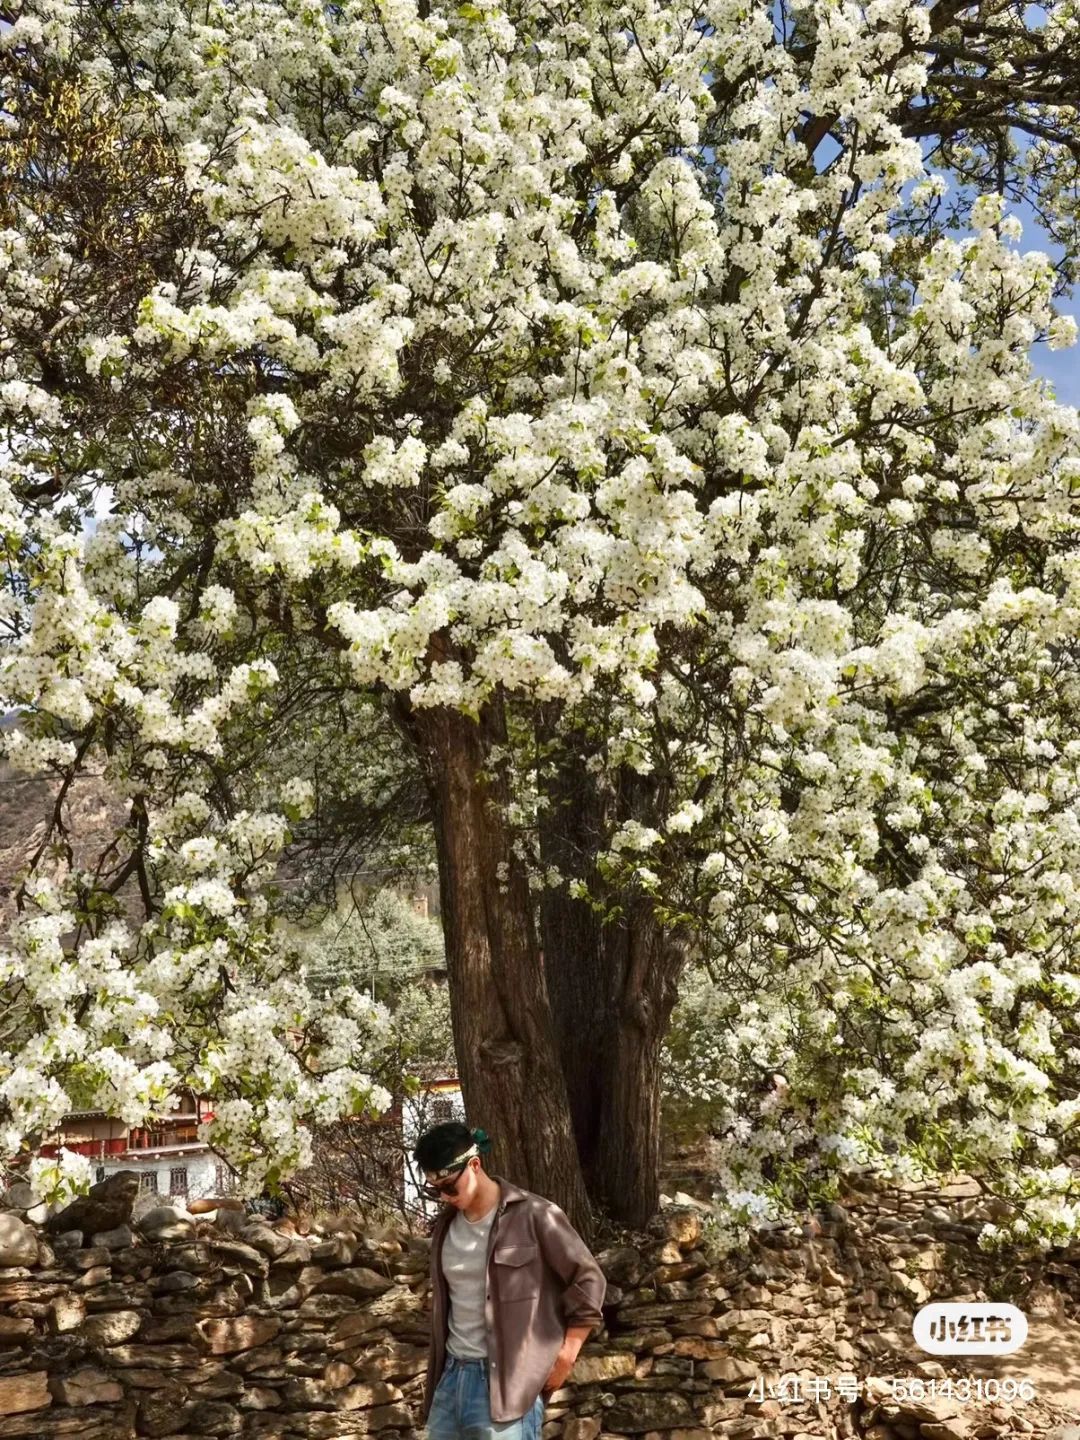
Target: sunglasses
(443,1187)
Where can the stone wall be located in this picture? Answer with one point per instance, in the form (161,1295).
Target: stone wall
(222,1325)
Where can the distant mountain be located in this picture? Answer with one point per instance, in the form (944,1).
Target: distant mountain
(90,816)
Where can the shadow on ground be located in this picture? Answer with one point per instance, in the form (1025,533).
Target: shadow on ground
(1049,1358)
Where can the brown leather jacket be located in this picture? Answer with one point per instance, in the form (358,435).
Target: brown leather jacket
(541,1279)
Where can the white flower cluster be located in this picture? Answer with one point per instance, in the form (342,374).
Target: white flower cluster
(57,1180)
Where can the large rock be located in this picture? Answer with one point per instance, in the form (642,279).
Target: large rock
(744,1320)
(86,1387)
(105,1206)
(231,1222)
(17,1197)
(594,1369)
(266,1363)
(635,1413)
(650,1314)
(259,1397)
(298,1253)
(33,1292)
(325,1307)
(621,1263)
(389,1361)
(337,1375)
(174,1282)
(66,1312)
(261,1237)
(337,1250)
(963,1188)
(244,1332)
(306,1392)
(359,1323)
(697,1347)
(92,1278)
(234,1255)
(195,1258)
(90,1257)
(363,1397)
(397,1307)
(145,1201)
(160,1415)
(727,1370)
(18,1242)
(932,1412)
(215,1382)
(958,1429)
(169,1327)
(14,1331)
(581,1427)
(112,1328)
(118,1238)
(19,1393)
(388,1417)
(681,1226)
(357,1281)
(165,1223)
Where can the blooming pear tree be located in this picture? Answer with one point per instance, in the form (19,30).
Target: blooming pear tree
(602,379)
(102,1011)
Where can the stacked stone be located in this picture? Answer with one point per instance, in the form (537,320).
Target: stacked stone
(179,1325)
(690,1348)
(212,1326)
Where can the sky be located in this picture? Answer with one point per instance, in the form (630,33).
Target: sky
(1061,367)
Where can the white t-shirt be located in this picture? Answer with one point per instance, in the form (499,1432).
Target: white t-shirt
(464,1263)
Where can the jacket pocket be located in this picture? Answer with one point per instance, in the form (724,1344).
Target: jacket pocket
(516,1269)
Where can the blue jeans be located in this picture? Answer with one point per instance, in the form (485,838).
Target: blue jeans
(460,1409)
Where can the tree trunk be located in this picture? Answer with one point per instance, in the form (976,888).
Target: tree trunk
(643,965)
(617,983)
(512,1081)
(573,950)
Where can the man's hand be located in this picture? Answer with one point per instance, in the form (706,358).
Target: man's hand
(564,1361)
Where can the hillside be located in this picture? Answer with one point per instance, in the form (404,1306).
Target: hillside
(89,817)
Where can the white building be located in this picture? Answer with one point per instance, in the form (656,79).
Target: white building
(168,1156)
(172,1162)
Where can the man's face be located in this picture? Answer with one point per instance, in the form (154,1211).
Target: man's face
(460,1192)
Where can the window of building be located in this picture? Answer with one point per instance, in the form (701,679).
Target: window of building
(148,1181)
(178,1180)
(99,1173)
(222,1179)
(441,1110)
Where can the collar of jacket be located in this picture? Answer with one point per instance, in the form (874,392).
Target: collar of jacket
(508,1194)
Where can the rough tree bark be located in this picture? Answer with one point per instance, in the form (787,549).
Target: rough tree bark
(512,1079)
(615,982)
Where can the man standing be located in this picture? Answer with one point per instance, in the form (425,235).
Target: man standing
(515,1293)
